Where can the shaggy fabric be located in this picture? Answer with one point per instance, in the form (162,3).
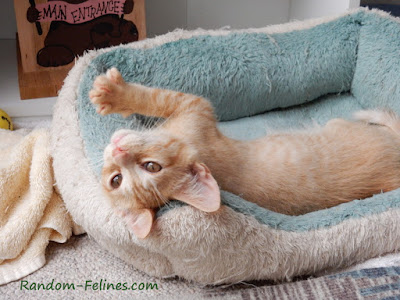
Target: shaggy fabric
(242,74)
(81,259)
(274,67)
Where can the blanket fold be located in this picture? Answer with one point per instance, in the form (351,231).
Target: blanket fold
(31,211)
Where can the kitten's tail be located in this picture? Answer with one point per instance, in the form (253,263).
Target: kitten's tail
(386,118)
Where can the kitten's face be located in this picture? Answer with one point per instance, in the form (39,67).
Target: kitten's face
(145,170)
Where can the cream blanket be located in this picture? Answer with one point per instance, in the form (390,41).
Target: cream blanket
(31,211)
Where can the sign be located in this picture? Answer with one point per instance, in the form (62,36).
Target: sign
(78,13)
(52,34)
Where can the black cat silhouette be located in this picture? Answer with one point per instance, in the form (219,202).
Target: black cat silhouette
(65,41)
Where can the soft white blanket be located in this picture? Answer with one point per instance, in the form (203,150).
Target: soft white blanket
(31,212)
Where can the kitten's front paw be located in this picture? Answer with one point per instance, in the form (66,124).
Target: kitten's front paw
(108,92)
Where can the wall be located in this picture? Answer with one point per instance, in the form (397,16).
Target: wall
(8,26)
(236,13)
(304,9)
(163,16)
(166,15)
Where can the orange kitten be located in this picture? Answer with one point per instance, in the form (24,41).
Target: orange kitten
(290,173)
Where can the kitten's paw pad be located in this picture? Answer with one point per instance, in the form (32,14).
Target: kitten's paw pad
(107,92)
(99,97)
(105,86)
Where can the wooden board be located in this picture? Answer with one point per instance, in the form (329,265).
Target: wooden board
(38,77)
(40,84)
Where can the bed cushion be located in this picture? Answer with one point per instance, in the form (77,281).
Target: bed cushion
(260,81)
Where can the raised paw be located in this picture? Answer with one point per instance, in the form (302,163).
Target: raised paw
(108,92)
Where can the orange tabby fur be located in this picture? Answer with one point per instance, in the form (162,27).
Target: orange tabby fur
(291,173)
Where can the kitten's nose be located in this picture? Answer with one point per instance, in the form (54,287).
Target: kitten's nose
(118,151)
(120,155)
(120,146)
(116,140)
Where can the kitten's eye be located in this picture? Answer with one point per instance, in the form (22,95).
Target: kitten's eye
(116,181)
(152,167)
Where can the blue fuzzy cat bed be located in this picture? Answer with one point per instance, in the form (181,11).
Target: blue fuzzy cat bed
(260,81)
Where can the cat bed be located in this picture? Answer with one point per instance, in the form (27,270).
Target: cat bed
(260,81)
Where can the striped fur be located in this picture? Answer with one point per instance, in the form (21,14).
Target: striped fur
(291,173)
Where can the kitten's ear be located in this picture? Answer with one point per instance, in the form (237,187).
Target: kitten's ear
(139,221)
(202,191)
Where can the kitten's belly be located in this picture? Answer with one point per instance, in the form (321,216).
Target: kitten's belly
(298,173)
